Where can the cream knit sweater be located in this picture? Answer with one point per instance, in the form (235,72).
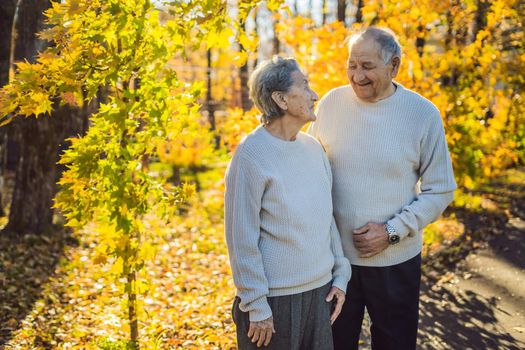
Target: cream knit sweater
(280,230)
(390,163)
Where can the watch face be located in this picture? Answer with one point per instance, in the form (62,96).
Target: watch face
(393,239)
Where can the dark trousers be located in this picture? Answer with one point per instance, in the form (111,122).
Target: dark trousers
(301,322)
(391,296)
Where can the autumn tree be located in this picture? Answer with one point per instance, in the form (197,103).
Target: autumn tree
(123,48)
(38,142)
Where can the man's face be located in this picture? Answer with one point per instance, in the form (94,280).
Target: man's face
(369,76)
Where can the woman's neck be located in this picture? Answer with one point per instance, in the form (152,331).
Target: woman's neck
(285,128)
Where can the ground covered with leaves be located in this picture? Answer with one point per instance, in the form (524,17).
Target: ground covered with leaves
(55,294)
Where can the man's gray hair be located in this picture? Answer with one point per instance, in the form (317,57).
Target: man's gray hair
(271,75)
(386,39)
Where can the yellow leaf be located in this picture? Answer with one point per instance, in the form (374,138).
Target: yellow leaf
(100,258)
(41,103)
(240,59)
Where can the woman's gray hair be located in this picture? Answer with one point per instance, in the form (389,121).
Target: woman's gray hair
(386,39)
(271,75)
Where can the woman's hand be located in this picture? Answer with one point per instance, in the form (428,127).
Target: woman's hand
(340,299)
(261,331)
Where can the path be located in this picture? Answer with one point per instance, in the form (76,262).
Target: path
(480,305)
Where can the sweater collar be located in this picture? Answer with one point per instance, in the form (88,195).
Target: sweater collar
(273,140)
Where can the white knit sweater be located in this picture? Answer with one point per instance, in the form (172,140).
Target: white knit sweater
(378,152)
(281,235)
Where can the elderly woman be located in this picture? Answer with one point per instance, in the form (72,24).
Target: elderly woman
(284,246)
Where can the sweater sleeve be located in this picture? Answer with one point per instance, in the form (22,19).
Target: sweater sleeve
(437,183)
(342,271)
(243,195)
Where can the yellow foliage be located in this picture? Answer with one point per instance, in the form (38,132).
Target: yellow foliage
(234,124)
(472,80)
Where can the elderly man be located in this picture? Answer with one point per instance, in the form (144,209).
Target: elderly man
(392,176)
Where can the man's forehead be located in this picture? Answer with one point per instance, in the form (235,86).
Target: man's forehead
(365,49)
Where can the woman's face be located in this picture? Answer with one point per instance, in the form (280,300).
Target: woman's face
(300,99)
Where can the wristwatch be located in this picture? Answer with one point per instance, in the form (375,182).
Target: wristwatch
(393,236)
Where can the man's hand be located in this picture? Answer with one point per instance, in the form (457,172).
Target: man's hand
(370,239)
(261,332)
(340,299)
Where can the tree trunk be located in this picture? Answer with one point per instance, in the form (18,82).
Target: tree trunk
(341,10)
(39,140)
(7,9)
(246,103)
(420,40)
(480,21)
(210,103)
(35,175)
(276,42)
(449,79)
(295,10)
(256,31)
(132,311)
(359,11)
(324,8)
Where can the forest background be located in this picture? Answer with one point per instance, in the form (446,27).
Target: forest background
(135,107)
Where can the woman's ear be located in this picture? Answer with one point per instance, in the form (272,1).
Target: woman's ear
(279,98)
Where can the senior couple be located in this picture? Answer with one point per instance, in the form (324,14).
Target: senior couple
(321,225)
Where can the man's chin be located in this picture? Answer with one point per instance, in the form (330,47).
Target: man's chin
(366,96)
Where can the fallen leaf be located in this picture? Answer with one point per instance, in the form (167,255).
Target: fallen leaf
(519,329)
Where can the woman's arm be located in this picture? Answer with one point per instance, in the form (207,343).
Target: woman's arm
(342,271)
(244,190)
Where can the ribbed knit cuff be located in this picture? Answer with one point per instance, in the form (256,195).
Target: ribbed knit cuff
(398,225)
(260,310)
(340,282)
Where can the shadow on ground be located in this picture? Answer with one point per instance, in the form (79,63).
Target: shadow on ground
(26,264)
(461,321)
(460,318)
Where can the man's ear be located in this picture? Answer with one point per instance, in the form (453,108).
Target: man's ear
(396,62)
(279,98)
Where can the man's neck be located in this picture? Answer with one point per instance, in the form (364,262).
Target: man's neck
(389,92)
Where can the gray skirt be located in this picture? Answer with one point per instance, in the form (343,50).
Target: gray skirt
(301,322)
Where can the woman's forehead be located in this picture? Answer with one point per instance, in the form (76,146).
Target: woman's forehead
(299,75)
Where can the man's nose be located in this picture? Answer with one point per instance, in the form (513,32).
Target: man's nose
(358,75)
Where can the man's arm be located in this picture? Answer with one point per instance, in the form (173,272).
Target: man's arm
(437,191)
(437,183)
